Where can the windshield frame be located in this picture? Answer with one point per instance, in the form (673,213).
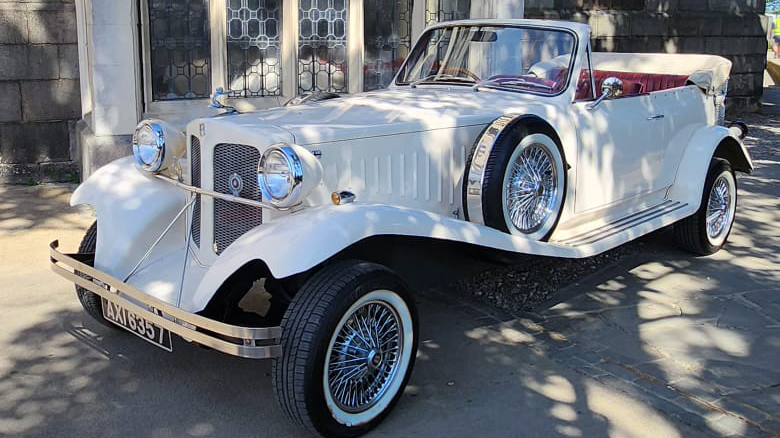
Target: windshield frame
(575,50)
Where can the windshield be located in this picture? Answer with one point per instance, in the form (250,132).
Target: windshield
(517,58)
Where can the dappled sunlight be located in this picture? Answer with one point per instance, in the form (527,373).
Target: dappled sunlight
(553,387)
(602,401)
(81,375)
(38,208)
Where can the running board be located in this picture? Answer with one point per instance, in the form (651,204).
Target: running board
(632,226)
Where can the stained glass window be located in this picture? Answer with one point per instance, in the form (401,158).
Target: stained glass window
(322,46)
(387,39)
(446,10)
(180,49)
(253,39)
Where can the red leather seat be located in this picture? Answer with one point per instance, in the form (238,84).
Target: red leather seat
(633,83)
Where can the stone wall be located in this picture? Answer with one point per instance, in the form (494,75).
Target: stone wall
(39,91)
(735,29)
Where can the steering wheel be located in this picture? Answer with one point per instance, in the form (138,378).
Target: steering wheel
(457,71)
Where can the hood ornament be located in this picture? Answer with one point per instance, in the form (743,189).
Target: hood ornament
(215,103)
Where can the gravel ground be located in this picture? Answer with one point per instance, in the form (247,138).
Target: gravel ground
(521,288)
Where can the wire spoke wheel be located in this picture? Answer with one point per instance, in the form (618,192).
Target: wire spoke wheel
(365,356)
(349,339)
(706,231)
(533,187)
(719,213)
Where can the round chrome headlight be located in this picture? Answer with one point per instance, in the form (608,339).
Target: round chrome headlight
(149,146)
(280,176)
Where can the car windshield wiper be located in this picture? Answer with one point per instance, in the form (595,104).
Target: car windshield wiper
(444,77)
(511,82)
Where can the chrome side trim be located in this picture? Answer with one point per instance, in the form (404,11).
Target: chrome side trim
(223,196)
(476,172)
(230,339)
(623,224)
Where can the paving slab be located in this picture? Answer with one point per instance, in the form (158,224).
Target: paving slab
(658,344)
(479,372)
(707,329)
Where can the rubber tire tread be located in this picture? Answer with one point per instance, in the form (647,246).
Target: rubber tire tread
(90,301)
(691,232)
(299,336)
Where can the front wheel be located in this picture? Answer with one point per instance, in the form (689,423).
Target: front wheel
(706,231)
(91,301)
(349,340)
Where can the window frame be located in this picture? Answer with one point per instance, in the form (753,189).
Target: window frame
(288,57)
(572,60)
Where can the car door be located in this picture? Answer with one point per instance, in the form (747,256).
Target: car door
(621,150)
(679,112)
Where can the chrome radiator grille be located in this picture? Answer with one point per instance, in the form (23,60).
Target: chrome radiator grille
(195,172)
(231,219)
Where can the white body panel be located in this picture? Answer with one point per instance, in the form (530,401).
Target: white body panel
(402,152)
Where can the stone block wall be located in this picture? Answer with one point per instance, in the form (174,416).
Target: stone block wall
(40,100)
(735,29)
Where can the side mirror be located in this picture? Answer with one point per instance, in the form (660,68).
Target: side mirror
(611,88)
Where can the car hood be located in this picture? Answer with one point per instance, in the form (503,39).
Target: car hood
(384,112)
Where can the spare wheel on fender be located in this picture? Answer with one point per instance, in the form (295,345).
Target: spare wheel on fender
(515,178)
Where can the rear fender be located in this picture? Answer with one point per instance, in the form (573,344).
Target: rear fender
(707,142)
(133,208)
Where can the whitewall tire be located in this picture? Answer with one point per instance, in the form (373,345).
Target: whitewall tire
(515,179)
(349,340)
(707,230)
(532,189)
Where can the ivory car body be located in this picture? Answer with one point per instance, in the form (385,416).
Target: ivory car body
(512,137)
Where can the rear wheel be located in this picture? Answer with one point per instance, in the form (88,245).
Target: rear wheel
(706,231)
(349,339)
(91,301)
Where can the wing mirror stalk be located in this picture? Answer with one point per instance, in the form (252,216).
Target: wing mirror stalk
(611,88)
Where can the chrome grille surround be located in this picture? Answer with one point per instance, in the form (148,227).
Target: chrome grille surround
(231,219)
(195,172)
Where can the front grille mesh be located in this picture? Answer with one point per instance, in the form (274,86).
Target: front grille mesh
(231,219)
(195,172)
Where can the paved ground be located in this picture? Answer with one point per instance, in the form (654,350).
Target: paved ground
(658,345)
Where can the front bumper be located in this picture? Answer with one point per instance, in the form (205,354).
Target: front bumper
(254,343)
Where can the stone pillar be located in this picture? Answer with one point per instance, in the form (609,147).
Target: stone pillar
(735,29)
(497,9)
(39,92)
(110,69)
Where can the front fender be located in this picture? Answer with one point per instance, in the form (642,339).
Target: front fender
(691,173)
(133,208)
(302,240)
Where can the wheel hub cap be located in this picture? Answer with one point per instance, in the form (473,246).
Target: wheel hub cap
(718,208)
(532,189)
(365,357)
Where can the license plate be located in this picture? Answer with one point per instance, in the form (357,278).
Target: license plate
(136,324)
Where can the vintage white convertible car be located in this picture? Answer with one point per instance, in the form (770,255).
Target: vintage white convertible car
(507,137)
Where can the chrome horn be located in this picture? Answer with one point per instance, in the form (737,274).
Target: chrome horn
(611,88)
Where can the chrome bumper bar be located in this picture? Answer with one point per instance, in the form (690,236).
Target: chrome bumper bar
(254,343)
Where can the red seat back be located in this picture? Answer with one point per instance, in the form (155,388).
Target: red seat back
(633,83)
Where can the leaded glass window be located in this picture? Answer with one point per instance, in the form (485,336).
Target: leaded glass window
(253,40)
(387,39)
(180,49)
(322,46)
(446,10)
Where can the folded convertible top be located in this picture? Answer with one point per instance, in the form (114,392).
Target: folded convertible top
(709,72)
